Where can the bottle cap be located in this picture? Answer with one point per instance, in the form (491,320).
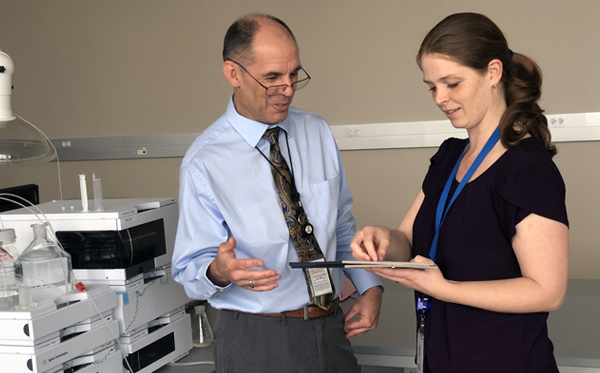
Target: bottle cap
(199,309)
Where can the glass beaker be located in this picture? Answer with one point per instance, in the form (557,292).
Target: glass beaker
(202,334)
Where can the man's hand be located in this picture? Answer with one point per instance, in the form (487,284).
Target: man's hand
(367,308)
(225,269)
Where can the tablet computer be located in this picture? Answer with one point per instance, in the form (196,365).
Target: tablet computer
(361,264)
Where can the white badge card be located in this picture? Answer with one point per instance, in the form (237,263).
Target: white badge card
(319,280)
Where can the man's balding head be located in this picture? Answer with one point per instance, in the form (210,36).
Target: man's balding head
(241,34)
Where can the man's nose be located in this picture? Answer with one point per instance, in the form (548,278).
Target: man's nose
(288,91)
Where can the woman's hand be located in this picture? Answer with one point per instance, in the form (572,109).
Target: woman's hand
(371,243)
(429,281)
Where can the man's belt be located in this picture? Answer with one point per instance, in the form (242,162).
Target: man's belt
(306,312)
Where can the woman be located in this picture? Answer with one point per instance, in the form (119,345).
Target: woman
(501,246)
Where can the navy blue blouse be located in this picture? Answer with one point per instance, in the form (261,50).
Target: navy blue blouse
(475,245)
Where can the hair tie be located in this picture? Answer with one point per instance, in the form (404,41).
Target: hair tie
(511,53)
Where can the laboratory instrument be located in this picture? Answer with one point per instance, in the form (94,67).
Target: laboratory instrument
(128,238)
(49,338)
(127,247)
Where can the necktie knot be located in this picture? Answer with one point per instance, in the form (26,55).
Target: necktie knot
(272,135)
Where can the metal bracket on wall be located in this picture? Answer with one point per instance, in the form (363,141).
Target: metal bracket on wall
(564,128)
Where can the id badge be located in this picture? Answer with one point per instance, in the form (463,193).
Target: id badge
(319,280)
(421,345)
(423,305)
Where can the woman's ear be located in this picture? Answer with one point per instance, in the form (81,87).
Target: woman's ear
(494,71)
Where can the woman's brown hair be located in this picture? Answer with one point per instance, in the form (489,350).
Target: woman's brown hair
(473,40)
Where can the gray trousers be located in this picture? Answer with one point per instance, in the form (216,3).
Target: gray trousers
(259,344)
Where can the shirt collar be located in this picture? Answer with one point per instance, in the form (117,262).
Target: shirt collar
(250,130)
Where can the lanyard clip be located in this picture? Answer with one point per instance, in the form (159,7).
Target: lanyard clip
(423,304)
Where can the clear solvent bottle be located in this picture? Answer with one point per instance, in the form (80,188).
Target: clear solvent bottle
(9,292)
(45,267)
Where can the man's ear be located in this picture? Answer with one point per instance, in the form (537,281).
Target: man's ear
(495,69)
(232,73)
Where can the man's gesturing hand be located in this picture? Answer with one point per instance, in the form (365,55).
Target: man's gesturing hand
(226,268)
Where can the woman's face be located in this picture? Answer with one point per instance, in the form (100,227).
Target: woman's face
(463,94)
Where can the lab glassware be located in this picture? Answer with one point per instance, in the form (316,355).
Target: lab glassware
(45,268)
(202,334)
(98,206)
(9,293)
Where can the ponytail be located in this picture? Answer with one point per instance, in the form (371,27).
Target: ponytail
(522,91)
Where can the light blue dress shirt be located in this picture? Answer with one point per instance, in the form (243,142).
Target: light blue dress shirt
(227,190)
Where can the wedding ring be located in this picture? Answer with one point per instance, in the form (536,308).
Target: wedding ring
(250,284)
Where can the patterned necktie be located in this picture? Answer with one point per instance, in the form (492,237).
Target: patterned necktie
(301,231)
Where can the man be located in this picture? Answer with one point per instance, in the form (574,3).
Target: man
(236,236)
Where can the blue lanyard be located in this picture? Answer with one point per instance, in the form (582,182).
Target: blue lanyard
(423,303)
(441,208)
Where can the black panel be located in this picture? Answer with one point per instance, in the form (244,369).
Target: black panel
(151,353)
(30,192)
(130,248)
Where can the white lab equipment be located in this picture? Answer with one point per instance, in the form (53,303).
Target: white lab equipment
(130,237)
(49,338)
(128,247)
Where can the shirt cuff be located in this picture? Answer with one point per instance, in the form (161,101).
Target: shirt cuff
(196,283)
(211,290)
(364,280)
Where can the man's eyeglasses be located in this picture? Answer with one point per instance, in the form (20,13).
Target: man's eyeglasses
(302,80)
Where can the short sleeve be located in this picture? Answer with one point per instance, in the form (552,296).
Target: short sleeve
(441,164)
(535,187)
